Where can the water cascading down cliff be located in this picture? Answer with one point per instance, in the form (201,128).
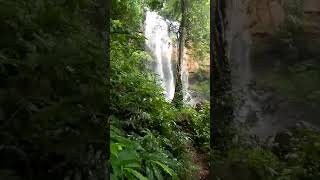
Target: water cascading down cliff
(239,44)
(160,46)
(268,98)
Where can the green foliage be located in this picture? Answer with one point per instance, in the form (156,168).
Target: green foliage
(130,13)
(139,108)
(53,90)
(294,11)
(297,159)
(288,80)
(292,28)
(262,163)
(155,4)
(198,27)
(303,156)
(197,124)
(203,88)
(147,140)
(54,96)
(197,23)
(129,158)
(171,10)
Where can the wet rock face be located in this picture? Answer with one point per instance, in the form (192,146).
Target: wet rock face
(312,6)
(265,16)
(257,54)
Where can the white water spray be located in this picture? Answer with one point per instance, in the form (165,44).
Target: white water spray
(160,46)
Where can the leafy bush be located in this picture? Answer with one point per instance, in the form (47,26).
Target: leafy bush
(298,159)
(259,162)
(302,159)
(53,90)
(139,108)
(196,124)
(129,159)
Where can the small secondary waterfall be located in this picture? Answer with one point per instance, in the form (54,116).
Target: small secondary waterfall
(239,40)
(259,73)
(160,45)
(239,44)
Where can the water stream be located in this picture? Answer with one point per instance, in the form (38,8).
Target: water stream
(161,45)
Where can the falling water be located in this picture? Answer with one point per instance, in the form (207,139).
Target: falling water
(238,38)
(239,41)
(239,46)
(160,46)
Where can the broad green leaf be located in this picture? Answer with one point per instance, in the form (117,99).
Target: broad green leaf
(136,174)
(149,171)
(113,177)
(128,155)
(157,173)
(133,165)
(166,168)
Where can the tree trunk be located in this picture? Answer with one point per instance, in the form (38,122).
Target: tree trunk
(103,11)
(221,102)
(178,94)
(220,87)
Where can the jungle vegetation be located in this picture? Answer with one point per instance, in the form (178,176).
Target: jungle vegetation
(150,137)
(59,98)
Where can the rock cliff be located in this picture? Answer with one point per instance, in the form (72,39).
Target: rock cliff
(266,56)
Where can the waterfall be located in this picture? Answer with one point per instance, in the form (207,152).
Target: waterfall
(238,49)
(160,46)
(239,43)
